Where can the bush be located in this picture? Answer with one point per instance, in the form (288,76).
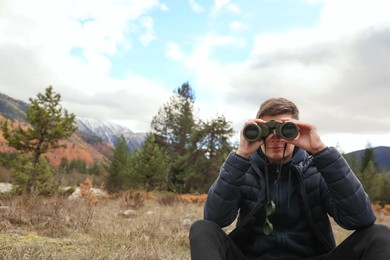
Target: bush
(167,198)
(22,169)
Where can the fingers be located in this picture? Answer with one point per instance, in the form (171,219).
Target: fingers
(254,121)
(300,124)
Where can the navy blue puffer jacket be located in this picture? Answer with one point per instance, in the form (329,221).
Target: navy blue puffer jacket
(326,185)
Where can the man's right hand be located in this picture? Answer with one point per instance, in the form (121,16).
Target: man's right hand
(245,148)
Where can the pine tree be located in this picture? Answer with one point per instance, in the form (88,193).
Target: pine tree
(49,123)
(368,156)
(383,184)
(368,178)
(195,149)
(211,147)
(151,165)
(172,128)
(119,167)
(354,163)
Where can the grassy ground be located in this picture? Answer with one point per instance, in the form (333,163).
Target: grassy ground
(93,228)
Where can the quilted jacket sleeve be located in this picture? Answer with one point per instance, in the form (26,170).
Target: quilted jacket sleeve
(224,197)
(344,196)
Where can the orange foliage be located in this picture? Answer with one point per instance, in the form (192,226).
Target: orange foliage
(76,148)
(86,187)
(376,207)
(196,199)
(86,191)
(386,210)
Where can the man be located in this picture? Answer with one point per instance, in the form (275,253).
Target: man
(283,190)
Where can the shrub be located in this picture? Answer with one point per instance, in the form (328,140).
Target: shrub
(167,198)
(132,199)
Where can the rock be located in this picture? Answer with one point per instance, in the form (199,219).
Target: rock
(95,191)
(186,222)
(128,213)
(5,187)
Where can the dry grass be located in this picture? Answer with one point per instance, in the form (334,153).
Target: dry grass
(58,228)
(91,228)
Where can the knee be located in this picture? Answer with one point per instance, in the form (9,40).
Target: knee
(201,228)
(379,231)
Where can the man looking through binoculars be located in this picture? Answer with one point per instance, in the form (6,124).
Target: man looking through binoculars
(283,182)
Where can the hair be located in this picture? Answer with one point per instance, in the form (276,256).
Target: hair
(277,106)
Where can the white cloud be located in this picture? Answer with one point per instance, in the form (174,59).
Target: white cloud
(335,70)
(222,5)
(174,52)
(195,7)
(148,36)
(163,7)
(53,32)
(348,16)
(37,49)
(238,26)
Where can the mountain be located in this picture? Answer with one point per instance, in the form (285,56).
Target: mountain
(12,109)
(110,132)
(381,156)
(76,148)
(93,138)
(97,138)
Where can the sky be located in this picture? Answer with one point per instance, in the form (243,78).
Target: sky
(121,60)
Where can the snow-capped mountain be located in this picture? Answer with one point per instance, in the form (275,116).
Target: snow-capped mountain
(110,132)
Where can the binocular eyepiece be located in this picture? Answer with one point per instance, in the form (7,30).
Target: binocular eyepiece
(285,130)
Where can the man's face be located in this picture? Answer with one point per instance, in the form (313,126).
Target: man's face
(274,147)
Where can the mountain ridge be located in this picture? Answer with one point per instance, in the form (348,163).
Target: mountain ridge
(381,157)
(110,132)
(100,137)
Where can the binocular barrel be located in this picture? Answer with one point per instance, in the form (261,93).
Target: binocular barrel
(285,130)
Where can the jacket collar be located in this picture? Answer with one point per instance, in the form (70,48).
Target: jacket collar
(259,157)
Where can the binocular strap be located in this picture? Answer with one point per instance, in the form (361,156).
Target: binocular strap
(268,228)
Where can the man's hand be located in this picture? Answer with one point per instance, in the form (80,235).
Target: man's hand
(245,148)
(308,137)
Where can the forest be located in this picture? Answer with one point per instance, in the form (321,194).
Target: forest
(181,153)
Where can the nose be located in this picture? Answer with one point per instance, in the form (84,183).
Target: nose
(273,135)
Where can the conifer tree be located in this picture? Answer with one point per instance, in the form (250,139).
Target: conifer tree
(118,169)
(383,184)
(354,163)
(49,123)
(173,127)
(209,151)
(151,165)
(195,149)
(369,177)
(368,156)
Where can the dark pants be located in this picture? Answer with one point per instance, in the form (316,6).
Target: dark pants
(209,241)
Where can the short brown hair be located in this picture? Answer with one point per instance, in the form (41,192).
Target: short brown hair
(277,106)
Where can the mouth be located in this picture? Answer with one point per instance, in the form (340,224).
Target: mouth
(276,148)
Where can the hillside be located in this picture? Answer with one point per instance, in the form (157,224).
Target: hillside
(96,139)
(12,109)
(109,132)
(102,136)
(381,155)
(76,148)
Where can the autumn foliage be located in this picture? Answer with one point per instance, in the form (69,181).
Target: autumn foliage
(76,148)
(379,210)
(195,199)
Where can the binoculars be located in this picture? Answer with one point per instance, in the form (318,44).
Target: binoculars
(285,130)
